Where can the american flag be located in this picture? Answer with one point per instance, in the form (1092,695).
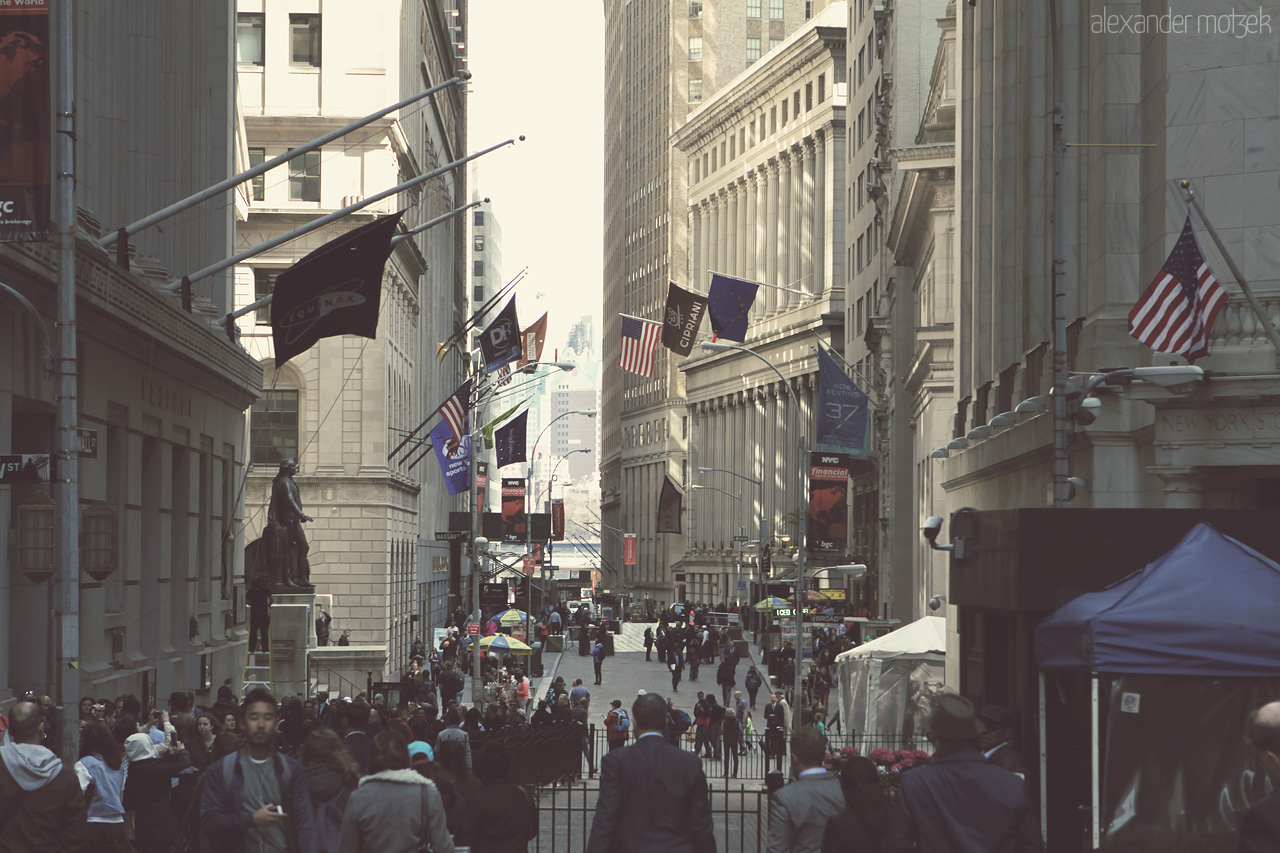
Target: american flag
(639,337)
(1177,310)
(454,412)
(504,375)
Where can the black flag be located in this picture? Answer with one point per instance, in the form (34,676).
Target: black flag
(500,343)
(682,318)
(670,505)
(511,441)
(335,290)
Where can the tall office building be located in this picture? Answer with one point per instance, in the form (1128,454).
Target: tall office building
(663,60)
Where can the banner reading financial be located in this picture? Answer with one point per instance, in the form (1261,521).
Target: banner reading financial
(828,502)
(25,116)
(513,516)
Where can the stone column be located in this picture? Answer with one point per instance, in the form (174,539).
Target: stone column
(769,216)
(785,233)
(722,247)
(821,205)
(695,243)
(795,273)
(750,237)
(713,237)
(807,214)
(732,243)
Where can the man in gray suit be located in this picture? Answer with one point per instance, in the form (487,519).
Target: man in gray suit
(799,812)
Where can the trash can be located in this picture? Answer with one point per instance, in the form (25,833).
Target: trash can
(608,645)
(584,642)
(535,660)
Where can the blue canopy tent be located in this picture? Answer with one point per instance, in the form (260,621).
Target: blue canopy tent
(1206,609)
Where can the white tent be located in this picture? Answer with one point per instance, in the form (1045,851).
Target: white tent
(887,684)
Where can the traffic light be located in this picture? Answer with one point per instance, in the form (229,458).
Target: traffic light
(766,561)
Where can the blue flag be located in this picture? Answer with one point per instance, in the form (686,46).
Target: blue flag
(842,410)
(455,466)
(511,441)
(728,303)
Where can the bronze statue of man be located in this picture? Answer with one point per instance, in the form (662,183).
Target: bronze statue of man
(284,519)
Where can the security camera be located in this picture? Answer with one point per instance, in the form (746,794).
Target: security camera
(936,602)
(1090,408)
(931,528)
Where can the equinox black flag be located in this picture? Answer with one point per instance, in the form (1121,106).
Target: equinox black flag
(682,318)
(670,506)
(511,441)
(335,290)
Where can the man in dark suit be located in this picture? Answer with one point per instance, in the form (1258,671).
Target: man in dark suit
(798,813)
(1260,829)
(350,719)
(961,802)
(996,739)
(653,796)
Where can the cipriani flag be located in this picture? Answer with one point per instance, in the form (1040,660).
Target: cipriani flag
(639,337)
(1176,312)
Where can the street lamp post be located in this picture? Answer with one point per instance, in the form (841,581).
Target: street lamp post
(803,444)
(528,516)
(528,578)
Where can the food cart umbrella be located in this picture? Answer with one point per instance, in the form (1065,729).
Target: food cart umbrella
(511,618)
(503,643)
(772,603)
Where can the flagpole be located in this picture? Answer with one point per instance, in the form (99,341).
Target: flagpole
(222,186)
(1189,198)
(400,238)
(474,319)
(766,284)
(331,217)
(847,365)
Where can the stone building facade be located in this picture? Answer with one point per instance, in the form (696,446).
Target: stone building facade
(766,203)
(344,405)
(161,389)
(664,59)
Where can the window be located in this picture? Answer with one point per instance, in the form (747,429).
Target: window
(273,428)
(704,166)
(773,119)
(808,97)
(264,284)
(822,87)
(477,269)
(774,43)
(862,64)
(249,38)
(695,49)
(742,139)
(808,9)
(714,166)
(775,10)
(304,177)
(753,8)
(304,40)
(479,242)
(478,219)
(862,123)
(733,147)
(695,91)
(753,46)
(796,110)
(258,185)
(477,293)
(784,113)
(695,9)
(857,326)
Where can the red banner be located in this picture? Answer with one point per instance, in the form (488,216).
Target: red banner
(557,519)
(629,549)
(534,560)
(25,116)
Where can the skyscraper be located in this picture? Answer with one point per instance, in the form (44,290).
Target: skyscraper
(663,59)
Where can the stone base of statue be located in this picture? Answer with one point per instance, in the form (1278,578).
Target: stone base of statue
(285,570)
(293,629)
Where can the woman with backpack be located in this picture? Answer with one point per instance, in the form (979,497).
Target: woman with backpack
(102,758)
(617,725)
(332,774)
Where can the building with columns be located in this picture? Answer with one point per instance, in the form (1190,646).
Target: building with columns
(766,164)
(664,59)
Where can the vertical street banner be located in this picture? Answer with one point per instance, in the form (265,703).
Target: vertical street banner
(629,549)
(843,410)
(828,503)
(25,121)
(670,506)
(682,318)
(482,485)
(557,519)
(532,340)
(513,514)
(455,464)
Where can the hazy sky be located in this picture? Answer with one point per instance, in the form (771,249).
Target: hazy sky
(539,71)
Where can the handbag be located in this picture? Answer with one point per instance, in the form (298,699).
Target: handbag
(425,847)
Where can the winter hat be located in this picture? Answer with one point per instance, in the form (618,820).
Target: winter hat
(139,747)
(954,719)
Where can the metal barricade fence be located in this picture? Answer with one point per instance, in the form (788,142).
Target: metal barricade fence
(752,761)
(566,810)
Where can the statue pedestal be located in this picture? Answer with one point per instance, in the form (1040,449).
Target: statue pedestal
(293,629)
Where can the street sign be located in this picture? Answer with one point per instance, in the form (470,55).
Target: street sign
(450,535)
(742,539)
(742,586)
(24,469)
(473,629)
(87,443)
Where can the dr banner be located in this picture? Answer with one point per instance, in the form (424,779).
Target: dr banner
(828,502)
(25,119)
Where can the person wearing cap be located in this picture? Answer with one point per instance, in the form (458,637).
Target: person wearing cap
(996,739)
(960,802)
